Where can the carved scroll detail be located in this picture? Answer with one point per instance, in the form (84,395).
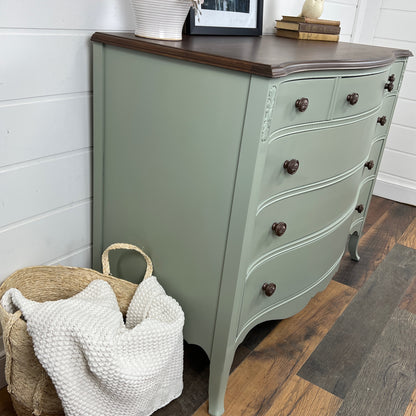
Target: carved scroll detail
(268,112)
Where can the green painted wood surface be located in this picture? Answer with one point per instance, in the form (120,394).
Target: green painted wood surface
(370,89)
(317,91)
(322,153)
(294,270)
(305,212)
(170,163)
(188,165)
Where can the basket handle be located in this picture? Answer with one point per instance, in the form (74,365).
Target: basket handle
(124,246)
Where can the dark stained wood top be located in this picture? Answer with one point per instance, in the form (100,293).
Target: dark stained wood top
(268,56)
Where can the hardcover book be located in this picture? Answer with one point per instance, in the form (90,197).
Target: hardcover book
(307,35)
(301,19)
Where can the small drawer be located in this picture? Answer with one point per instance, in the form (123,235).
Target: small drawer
(292,272)
(289,108)
(363,200)
(302,214)
(322,154)
(357,95)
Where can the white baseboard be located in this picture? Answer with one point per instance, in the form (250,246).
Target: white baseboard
(397,189)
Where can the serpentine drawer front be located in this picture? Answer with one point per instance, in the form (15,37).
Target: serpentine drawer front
(311,147)
(243,166)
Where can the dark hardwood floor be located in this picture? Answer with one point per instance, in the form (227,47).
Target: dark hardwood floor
(350,352)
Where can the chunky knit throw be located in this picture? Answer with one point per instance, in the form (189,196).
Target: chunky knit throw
(100,365)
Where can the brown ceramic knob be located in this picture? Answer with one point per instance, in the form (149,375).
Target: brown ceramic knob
(392,78)
(359,208)
(369,165)
(302,104)
(279,228)
(269,288)
(382,120)
(353,98)
(389,86)
(291,166)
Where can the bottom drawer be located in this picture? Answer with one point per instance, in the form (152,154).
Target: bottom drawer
(293,271)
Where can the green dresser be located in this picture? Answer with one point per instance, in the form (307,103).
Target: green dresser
(242,166)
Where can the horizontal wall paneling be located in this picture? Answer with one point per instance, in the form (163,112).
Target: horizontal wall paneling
(404,5)
(44,185)
(399,164)
(79,258)
(32,129)
(396,24)
(402,138)
(409,85)
(67,14)
(45,238)
(43,64)
(405,112)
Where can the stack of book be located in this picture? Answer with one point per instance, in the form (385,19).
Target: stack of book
(297,27)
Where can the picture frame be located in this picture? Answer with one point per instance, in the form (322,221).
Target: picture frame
(242,18)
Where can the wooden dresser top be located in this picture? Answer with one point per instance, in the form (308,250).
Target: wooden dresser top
(268,56)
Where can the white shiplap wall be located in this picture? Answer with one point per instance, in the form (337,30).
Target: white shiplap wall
(392,23)
(343,10)
(45,128)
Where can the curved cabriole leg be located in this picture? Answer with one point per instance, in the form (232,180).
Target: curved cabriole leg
(353,246)
(219,372)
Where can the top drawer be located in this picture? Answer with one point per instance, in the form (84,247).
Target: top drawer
(356,95)
(288,108)
(318,99)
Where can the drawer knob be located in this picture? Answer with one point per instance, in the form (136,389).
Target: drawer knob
(291,166)
(353,98)
(269,288)
(302,104)
(369,165)
(279,228)
(389,86)
(382,120)
(392,78)
(359,208)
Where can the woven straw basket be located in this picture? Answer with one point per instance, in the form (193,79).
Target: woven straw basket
(31,389)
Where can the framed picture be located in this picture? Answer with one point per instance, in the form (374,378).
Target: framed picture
(227,17)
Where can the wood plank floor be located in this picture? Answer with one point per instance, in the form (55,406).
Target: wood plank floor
(350,352)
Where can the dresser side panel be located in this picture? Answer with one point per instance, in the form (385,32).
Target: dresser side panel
(172,143)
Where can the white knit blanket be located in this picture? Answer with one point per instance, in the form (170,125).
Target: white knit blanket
(100,365)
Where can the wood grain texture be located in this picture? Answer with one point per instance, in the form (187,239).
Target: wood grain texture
(375,244)
(387,379)
(378,207)
(196,372)
(357,330)
(300,398)
(411,408)
(265,56)
(408,238)
(408,300)
(254,386)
